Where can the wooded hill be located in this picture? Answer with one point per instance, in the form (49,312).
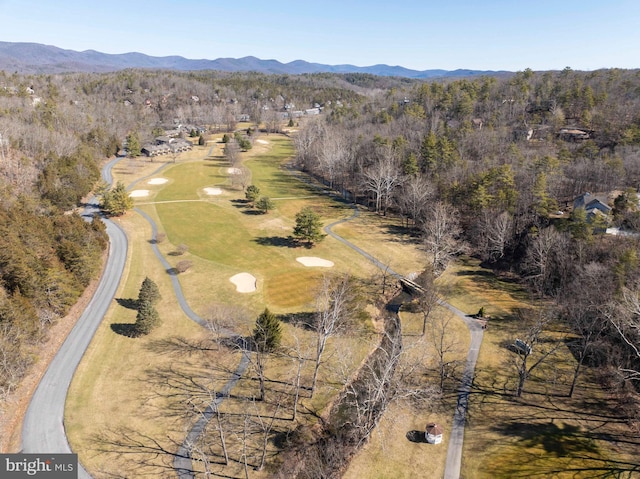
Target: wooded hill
(484,166)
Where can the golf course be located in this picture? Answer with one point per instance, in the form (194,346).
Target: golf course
(134,400)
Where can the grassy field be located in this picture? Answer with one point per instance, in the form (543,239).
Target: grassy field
(544,433)
(155,385)
(132,391)
(396,448)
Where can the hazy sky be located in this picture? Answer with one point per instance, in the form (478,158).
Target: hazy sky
(419,34)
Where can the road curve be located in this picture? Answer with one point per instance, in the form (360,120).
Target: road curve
(43,427)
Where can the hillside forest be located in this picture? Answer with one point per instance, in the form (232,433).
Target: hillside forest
(484,166)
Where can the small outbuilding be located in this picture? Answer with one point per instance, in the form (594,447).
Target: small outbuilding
(433,433)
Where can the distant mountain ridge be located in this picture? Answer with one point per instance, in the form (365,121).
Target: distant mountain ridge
(32,58)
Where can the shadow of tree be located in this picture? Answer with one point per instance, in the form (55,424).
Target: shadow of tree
(125,329)
(416,436)
(289,241)
(252,212)
(412,234)
(305,319)
(128,303)
(559,439)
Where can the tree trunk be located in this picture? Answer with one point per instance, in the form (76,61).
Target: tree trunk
(576,373)
(222,438)
(297,395)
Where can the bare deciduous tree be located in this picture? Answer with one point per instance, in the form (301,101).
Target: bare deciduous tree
(333,309)
(441,237)
(413,198)
(333,153)
(381,179)
(624,316)
(427,298)
(542,258)
(533,345)
(495,234)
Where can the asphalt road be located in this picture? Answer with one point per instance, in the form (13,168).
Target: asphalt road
(43,427)
(456,436)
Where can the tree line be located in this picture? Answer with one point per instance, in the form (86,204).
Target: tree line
(491,167)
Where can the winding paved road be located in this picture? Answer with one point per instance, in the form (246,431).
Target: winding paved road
(43,426)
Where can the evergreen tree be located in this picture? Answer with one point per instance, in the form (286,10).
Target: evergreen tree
(147,319)
(149,292)
(410,165)
(252,193)
(116,201)
(428,152)
(267,333)
(308,226)
(265,204)
(133,144)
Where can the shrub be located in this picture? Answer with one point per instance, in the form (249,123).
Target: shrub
(183,265)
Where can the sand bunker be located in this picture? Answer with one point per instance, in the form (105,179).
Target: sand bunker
(234,171)
(139,193)
(313,261)
(157,181)
(263,142)
(213,191)
(245,282)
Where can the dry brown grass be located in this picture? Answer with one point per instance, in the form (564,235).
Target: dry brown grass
(109,392)
(393,450)
(544,433)
(385,239)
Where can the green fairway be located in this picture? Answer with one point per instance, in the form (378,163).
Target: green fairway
(225,235)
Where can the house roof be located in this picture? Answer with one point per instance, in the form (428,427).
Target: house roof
(434,429)
(597,204)
(592,202)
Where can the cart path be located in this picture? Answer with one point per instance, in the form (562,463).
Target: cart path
(456,437)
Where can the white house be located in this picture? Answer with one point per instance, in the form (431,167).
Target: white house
(433,433)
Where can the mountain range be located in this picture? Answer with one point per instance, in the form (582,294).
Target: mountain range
(34,58)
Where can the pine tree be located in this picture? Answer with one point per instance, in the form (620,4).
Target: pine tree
(133,144)
(308,226)
(147,319)
(117,201)
(252,193)
(149,292)
(267,333)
